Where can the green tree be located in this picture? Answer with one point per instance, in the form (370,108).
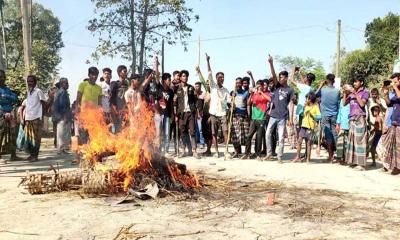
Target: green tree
(376,60)
(308,65)
(132,29)
(46,44)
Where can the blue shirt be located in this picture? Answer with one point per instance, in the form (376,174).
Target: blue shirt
(241,102)
(7,99)
(304,89)
(62,106)
(395,103)
(343,116)
(330,100)
(280,101)
(390,112)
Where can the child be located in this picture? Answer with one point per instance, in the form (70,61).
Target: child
(376,132)
(311,115)
(342,128)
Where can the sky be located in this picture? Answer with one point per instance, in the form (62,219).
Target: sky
(287,28)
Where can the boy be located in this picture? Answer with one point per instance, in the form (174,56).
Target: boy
(376,132)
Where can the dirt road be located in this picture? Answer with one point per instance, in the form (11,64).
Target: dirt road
(312,201)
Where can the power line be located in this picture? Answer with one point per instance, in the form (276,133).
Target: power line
(77,24)
(376,35)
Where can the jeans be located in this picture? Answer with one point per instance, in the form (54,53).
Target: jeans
(199,132)
(162,123)
(272,124)
(329,127)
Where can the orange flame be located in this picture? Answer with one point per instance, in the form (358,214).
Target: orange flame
(133,146)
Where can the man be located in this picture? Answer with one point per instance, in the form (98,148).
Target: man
(279,114)
(391,139)
(8,123)
(199,113)
(258,101)
(185,115)
(304,88)
(105,98)
(330,102)
(240,127)
(89,94)
(174,129)
(33,118)
(117,101)
(218,105)
(63,116)
(134,96)
(49,112)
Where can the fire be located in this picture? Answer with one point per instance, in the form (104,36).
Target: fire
(133,146)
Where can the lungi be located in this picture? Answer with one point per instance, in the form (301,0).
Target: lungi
(356,152)
(239,130)
(33,136)
(389,148)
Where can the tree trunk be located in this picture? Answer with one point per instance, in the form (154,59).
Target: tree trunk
(143,35)
(133,36)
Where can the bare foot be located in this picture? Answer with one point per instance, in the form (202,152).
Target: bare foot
(297,159)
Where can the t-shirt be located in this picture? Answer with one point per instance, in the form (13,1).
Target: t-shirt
(395,103)
(241,102)
(165,102)
(280,100)
(355,108)
(343,116)
(311,114)
(117,90)
(259,107)
(304,89)
(33,107)
(105,98)
(7,99)
(330,101)
(388,122)
(90,93)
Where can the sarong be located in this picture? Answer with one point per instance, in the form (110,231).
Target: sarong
(33,136)
(239,130)
(389,148)
(342,144)
(356,152)
(8,133)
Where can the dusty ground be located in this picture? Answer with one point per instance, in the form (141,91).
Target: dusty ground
(313,201)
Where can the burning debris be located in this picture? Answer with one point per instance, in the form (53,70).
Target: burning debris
(116,163)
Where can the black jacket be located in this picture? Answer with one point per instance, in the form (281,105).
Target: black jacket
(180,99)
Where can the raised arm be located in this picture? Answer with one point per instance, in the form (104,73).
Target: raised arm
(302,78)
(156,64)
(210,76)
(292,79)
(271,65)
(146,81)
(253,82)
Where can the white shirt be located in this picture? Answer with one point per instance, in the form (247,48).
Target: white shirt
(105,98)
(219,98)
(34,109)
(186,99)
(133,98)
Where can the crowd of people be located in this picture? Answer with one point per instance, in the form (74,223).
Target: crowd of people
(351,123)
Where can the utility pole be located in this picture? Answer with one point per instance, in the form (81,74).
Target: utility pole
(26,33)
(399,36)
(338,32)
(162,56)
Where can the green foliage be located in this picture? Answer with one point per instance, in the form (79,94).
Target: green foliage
(308,65)
(134,31)
(376,60)
(46,44)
